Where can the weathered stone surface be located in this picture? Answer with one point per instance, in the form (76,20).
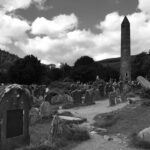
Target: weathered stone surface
(112,98)
(125,66)
(77,96)
(15,103)
(34,115)
(145,134)
(45,110)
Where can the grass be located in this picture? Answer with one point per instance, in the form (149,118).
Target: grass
(39,133)
(131,119)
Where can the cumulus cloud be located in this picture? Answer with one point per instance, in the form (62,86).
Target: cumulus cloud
(60,40)
(74,43)
(56,27)
(12,29)
(144,5)
(11,5)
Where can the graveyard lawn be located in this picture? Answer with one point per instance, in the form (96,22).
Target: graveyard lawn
(128,120)
(39,134)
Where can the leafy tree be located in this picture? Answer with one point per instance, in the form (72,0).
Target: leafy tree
(139,65)
(84,61)
(83,74)
(26,71)
(66,69)
(55,74)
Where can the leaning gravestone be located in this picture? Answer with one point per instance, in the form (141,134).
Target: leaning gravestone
(144,83)
(15,103)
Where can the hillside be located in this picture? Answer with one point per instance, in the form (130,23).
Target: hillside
(114,62)
(6,60)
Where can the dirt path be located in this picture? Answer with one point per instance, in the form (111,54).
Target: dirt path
(97,142)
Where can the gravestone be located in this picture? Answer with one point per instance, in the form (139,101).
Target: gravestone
(89,97)
(77,96)
(112,98)
(15,103)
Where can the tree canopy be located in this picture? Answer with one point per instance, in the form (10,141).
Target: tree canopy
(27,70)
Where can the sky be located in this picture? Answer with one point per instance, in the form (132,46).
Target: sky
(61,31)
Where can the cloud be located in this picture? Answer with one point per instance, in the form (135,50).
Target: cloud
(41,5)
(12,5)
(67,43)
(144,5)
(56,27)
(60,39)
(12,29)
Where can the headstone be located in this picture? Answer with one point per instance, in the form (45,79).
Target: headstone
(34,115)
(45,109)
(77,96)
(112,98)
(96,95)
(89,97)
(15,104)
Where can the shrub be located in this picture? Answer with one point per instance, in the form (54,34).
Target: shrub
(77,134)
(106,120)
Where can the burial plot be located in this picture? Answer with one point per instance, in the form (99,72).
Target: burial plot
(14,117)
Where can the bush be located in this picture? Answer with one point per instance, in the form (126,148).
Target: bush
(77,134)
(106,120)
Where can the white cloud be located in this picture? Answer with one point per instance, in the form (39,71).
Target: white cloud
(57,27)
(12,29)
(63,41)
(11,5)
(77,43)
(144,5)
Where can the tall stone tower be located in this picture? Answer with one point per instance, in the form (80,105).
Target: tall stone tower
(125,66)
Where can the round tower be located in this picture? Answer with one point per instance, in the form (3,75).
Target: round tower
(125,66)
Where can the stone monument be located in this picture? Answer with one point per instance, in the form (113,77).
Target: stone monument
(125,66)
(15,103)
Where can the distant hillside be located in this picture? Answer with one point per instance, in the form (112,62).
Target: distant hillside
(113,62)
(6,60)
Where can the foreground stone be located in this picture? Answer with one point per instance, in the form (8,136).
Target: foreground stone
(144,135)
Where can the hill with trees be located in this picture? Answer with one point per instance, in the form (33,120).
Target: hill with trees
(113,62)
(6,60)
(30,70)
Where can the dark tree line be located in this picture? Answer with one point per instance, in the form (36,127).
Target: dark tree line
(29,70)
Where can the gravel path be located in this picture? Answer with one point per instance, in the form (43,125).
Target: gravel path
(97,142)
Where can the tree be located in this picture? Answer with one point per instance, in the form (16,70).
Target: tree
(55,74)
(66,69)
(138,65)
(26,71)
(84,61)
(83,74)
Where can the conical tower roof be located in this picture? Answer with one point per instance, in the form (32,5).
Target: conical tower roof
(125,21)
